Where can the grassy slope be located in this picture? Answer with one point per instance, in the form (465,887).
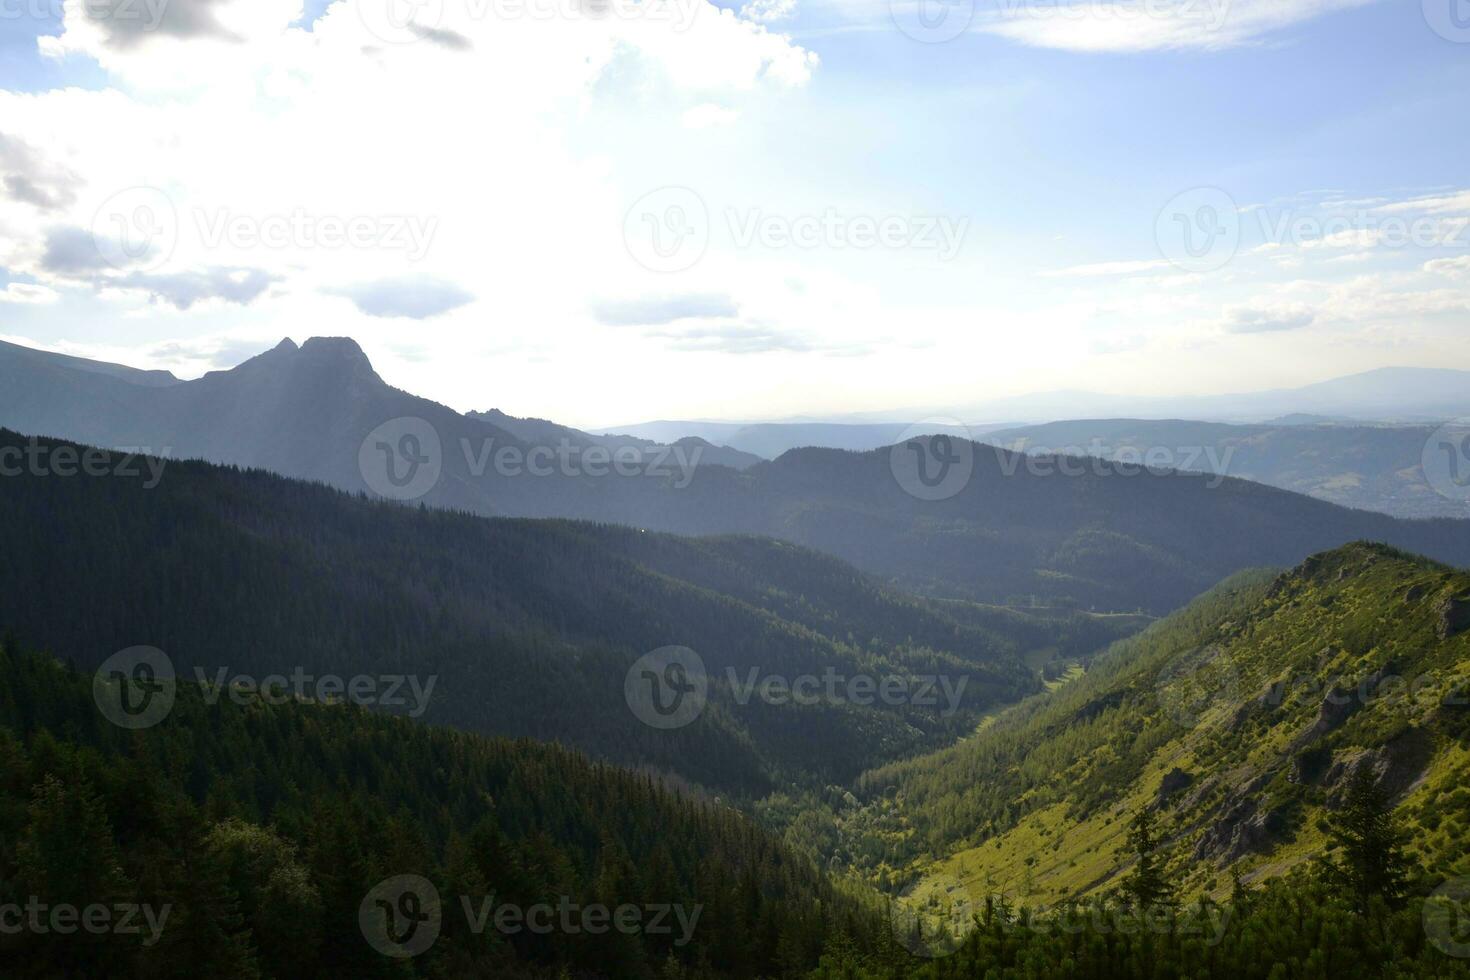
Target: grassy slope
(1055,779)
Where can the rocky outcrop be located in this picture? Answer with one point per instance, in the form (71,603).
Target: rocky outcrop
(1309,766)
(1246,828)
(1454,616)
(1175,781)
(1396,765)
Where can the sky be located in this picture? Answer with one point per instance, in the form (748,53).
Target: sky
(608,211)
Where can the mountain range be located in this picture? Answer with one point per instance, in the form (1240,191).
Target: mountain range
(1005,530)
(530,627)
(1403,395)
(1370,467)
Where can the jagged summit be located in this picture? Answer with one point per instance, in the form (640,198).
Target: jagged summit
(317,353)
(339,346)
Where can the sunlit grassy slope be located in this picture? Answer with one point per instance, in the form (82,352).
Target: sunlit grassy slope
(1238,718)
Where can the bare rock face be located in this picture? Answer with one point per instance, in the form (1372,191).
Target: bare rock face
(1309,766)
(1246,828)
(1174,782)
(1396,765)
(1337,707)
(1454,616)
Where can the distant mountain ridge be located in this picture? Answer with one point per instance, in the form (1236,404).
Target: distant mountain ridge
(1007,533)
(1377,468)
(1396,394)
(541,431)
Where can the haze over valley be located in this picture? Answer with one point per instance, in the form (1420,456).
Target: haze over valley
(734,490)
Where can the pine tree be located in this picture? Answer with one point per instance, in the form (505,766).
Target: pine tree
(1147,886)
(1367,845)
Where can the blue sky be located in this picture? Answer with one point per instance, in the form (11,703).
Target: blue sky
(747,212)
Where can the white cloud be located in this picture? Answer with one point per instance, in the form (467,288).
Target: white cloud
(413,298)
(661,309)
(1456,203)
(1458,268)
(708,115)
(768,11)
(1151,25)
(1125,268)
(25,292)
(1268,319)
(473,153)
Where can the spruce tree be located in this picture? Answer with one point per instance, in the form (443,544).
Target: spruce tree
(1148,886)
(1366,850)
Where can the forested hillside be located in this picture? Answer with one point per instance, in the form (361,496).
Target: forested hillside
(530,627)
(1240,721)
(1057,533)
(253,838)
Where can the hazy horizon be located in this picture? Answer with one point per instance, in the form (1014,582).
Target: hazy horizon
(777,209)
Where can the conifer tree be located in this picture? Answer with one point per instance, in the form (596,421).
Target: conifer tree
(1367,845)
(1148,886)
